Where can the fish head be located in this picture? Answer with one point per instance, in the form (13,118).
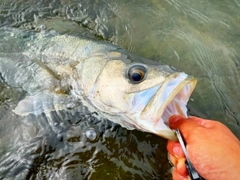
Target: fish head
(141,95)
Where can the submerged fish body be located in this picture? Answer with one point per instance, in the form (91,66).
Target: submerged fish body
(58,71)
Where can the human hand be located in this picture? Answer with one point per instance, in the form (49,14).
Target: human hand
(212,148)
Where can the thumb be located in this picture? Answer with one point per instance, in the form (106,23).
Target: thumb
(185,125)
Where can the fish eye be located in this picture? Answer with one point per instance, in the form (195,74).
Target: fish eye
(136,73)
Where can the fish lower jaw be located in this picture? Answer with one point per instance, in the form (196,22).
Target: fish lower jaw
(164,131)
(156,126)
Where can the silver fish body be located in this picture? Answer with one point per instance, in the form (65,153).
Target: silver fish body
(57,71)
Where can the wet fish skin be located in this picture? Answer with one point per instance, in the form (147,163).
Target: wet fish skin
(57,71)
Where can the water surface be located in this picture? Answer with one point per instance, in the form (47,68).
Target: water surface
(198,37)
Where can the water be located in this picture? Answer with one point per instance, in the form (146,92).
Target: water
(200,38)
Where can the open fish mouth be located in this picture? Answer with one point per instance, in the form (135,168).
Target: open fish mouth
(167,99)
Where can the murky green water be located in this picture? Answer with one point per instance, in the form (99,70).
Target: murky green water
(201,38)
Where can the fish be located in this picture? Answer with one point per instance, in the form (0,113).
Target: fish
(60,71)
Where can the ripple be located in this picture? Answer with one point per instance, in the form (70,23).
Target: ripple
(199,38)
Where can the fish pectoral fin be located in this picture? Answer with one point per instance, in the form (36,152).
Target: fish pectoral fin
(42,65)
(42,102)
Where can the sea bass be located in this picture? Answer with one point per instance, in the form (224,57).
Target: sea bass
(58,71)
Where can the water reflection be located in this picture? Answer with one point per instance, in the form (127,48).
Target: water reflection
(200,38)
(63,151)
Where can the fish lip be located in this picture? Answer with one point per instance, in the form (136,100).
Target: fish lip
(156,110)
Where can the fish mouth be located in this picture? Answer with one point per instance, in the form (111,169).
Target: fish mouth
(170,98)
